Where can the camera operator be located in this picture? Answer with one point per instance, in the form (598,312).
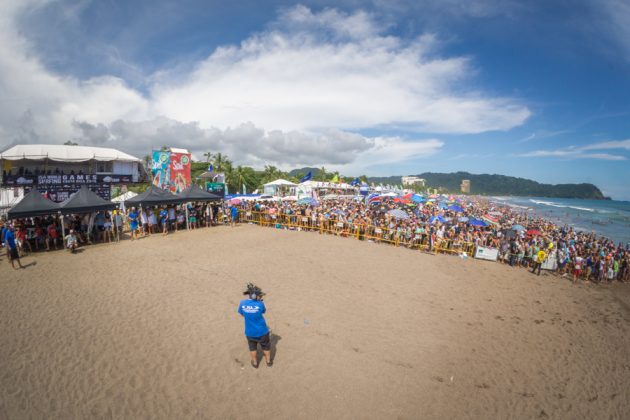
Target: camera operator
(256,330)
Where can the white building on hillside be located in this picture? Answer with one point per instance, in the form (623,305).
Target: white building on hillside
(413,180)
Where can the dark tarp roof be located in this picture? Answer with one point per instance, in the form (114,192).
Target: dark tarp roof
(85,200)
(33,204)
(153,196)
(195,193)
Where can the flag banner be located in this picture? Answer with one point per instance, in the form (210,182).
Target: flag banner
(307,177)
(160,168)
(180,172)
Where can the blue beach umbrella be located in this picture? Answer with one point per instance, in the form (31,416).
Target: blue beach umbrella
(456,209)
(434,219)
(518,227)
(462,219)
(477,222)
(417,198)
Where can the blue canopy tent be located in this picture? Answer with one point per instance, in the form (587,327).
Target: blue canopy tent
(477,222)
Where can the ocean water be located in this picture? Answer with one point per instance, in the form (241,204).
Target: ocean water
(608,218)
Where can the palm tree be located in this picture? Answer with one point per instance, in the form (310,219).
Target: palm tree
(221,163)
(208,156)
(322,174)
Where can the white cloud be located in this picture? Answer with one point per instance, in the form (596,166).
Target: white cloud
(291,94)
(574,152)
(249,144)
(614,144)
(313,71)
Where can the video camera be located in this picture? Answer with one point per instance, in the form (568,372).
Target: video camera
(254,292)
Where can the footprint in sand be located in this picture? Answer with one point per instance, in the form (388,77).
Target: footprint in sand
(483,386)
(438,378)
(499,317)
(238,362)
(539,321)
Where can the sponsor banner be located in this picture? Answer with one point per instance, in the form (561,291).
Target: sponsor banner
(483,253)
(180,172)
(217,188)
(60,193)
(160,169)
(64,180)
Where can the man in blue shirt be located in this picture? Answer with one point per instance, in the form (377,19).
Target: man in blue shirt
(164,220)
(133,223)
(256,330)
(234,213)
(12,251)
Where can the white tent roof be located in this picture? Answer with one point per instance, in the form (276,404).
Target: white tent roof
(280,182)
(319,184)
(62,153)
(124,197)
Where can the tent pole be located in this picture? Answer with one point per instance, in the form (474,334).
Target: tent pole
(63,229)
(187,223)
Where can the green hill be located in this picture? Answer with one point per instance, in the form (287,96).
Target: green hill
(485,184)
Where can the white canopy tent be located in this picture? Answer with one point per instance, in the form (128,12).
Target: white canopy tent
(279,188)
(63,153)
(124,197)
(321,189)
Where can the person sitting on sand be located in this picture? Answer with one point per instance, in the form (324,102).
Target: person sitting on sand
(71,241)
(256,330)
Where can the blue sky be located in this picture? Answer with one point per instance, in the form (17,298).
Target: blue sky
(536,89)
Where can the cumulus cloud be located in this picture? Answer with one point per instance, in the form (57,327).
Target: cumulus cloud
(296,93)
(249,144)
(318,70)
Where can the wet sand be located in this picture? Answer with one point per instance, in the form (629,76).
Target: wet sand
(149,330)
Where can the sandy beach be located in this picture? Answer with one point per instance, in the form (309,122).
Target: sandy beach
(149,329)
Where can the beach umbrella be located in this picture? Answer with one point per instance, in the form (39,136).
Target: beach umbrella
(398,214)
(442,205)
(462,219)
(518,227)
(533,232)
(417,198)
(477,222)
(308,201)
(456,209)
(495,213)
(434,219)
(490,219)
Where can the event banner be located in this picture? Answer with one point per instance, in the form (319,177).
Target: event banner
(180,172)
(217,188)
(59,193)
(66,180)
(550,263)
(483,253)
(160,169)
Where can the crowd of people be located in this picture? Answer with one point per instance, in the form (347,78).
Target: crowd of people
(445,224)
(46,233)
(521,239)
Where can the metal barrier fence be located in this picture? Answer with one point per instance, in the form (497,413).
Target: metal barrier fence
(360,231)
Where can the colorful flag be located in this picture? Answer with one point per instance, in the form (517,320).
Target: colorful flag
(335,178)
(355,182)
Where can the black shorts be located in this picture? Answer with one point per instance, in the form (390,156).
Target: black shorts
(264,341)
(13,254)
